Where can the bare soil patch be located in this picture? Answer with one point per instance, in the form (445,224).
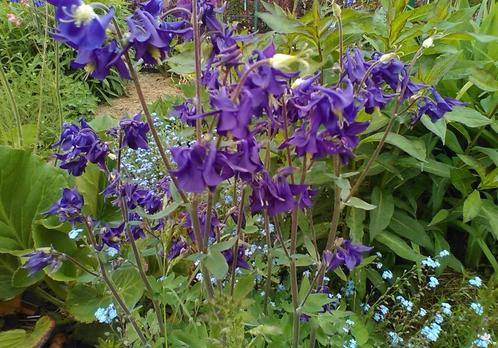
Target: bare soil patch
(154,86)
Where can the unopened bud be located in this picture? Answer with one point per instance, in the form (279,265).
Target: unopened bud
(336,9)
(279,61)
(386,58)
(429,42)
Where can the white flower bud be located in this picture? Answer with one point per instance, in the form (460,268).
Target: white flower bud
(429,42)
(279,61)
(386,58)
(336,9)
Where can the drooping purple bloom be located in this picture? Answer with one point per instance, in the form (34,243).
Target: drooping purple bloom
(99,61)
(347,254)
(436,108)
(202,215)
(246,162)
(68,207)
(273,194)
(241,260)
(135,195)
(79,25)
(38,260)
(200,167)
(112,236)
(207,12)
(185,112)
(134,132)
(178,247)
(154,7)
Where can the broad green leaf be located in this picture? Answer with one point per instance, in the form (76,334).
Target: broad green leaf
(467,116)
(381,216)
(315,303)
(28,186)
(469,36)
(354,220)
(491,153)
(21,279)
(224,245)
(359,203)
(8,266)
(474,164)
(83,300)
(216,264)
(167,211)
(439,217)
(415,148)
(280,24)
(489,210)
(438,127)
(360,332)
(483,79)
(243,287)
(22,338)
(471,206)
(398,246)
(409,228)
(103,123)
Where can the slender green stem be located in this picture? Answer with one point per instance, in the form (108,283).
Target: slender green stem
(42,83)
(82,266)
(57,74)
(112,288)
(13,106)
(238,232)
(47,296)
(269,262)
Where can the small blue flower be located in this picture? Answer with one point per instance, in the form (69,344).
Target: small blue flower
(74,233)
(381,314)
(433,282)
(429,262)
(110,251)
(365,307)
(350,289)
(106,315)
(475,282)
(446,308)
(477,308)
(280,287)
(408,305)
(348,325)
(306,274)
(438,319)
(483,341)
(431,333)
(395,338)
(444,253)
(387,275)
(422,312)
(351,343)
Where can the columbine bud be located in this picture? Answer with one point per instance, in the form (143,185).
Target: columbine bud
(386,58)
(297,82)
(429,42)
(279,61)
(336,9)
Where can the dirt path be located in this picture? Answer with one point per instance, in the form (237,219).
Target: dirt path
(154,85)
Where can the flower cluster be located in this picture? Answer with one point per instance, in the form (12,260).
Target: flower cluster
(106,315)
(40,259)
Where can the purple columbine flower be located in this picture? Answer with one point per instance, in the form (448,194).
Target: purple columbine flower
(215,223)
(178,247)
(112,236)
(241,260)
(99,61)
(347,254)
(246,162)
(38,260)
(79,25)
(68,207)
(200,167)
(273,194)
(437,108)
(134,132)
(154,7)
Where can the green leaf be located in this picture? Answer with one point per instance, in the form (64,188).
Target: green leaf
(354,220)
(163,213)
(483,79)
(216,264)
(22,338)
(83,300)
(28,186)
(103,123)
(438,127)
(21,279)
(8,266)
(467,116)
(398,246)
(243,287)
(359,203)
(315,302)
(280,24)
(381,216)
(489,210)
(224,245)
(439,217)
(471,206)
(407,227)
(415,148)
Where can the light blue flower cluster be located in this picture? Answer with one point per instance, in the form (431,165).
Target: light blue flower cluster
(387,275)
(446,309)
(349,290)
(477,308)
(407,304)
(422,312)
(74,233)
(365,307)
(433,282)
(394,338)
(348,325)
(351,343)
(444,253)
(106,315)
(431,332)
(430,263)
(483,341)
(475,282)
(381,314)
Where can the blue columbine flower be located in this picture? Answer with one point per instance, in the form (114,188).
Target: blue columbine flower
(433,282)
(475,282)
(68,207)
(477,308)
(134,132)
(106,315)
(39,259)
(347,254)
